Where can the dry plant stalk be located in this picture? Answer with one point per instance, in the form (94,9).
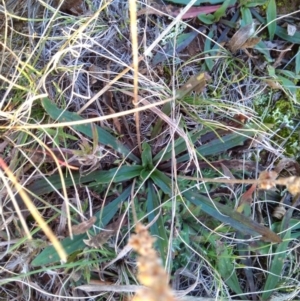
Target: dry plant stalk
(150,272)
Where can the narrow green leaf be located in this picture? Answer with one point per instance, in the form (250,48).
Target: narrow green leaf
(162,181)
(280,32)
(287,73)
(234,219)
(262,48)
(297,62)
(222,10)
(213,147)
(271,17)
(218,146)
(147,156)
(250,3)
(207,19)
(226,267)
(207,49)
(104,137)
(157,229)
(278,259)
(124,173)
(246,16)
(49,255)
(289,86)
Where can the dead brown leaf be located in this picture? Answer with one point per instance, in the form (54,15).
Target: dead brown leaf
(195,83)
(101,238)
(228,174)
(240,37)
(267,179)
(84,226)
(174,11)
(75,7)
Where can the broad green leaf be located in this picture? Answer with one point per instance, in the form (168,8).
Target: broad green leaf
(145,174)
(282,33)
(289,74)
(157,229)
(182,41)
(226,267)
(147,156)
(221,12)
(207,19)
(262,48)
(278,259)
(213,147)
(226,215)
(104,137)
(271,17)
(217,146)
(179,147)
(288,85)
(219,211)
(162,181)
(246,16)
(49,255)
(250,3)
(297,62)
(124,173)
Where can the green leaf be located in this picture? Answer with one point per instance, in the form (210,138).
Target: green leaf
(147,156)
(157,229)
(271,17)
(250,3)
(49,255)
(213,147)
(228,216)
(297,62)
(218,146)
(162,181)
(104,137)
(207,49)
(246,16)
(207,19)
(289,86)
(145,174)
(179,147)
(282,33)
(222,10)
(278,259)
(46,185)
(226,267)
(262,48)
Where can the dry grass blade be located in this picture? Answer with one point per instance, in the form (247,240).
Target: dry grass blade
(35,213)
(133,30)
